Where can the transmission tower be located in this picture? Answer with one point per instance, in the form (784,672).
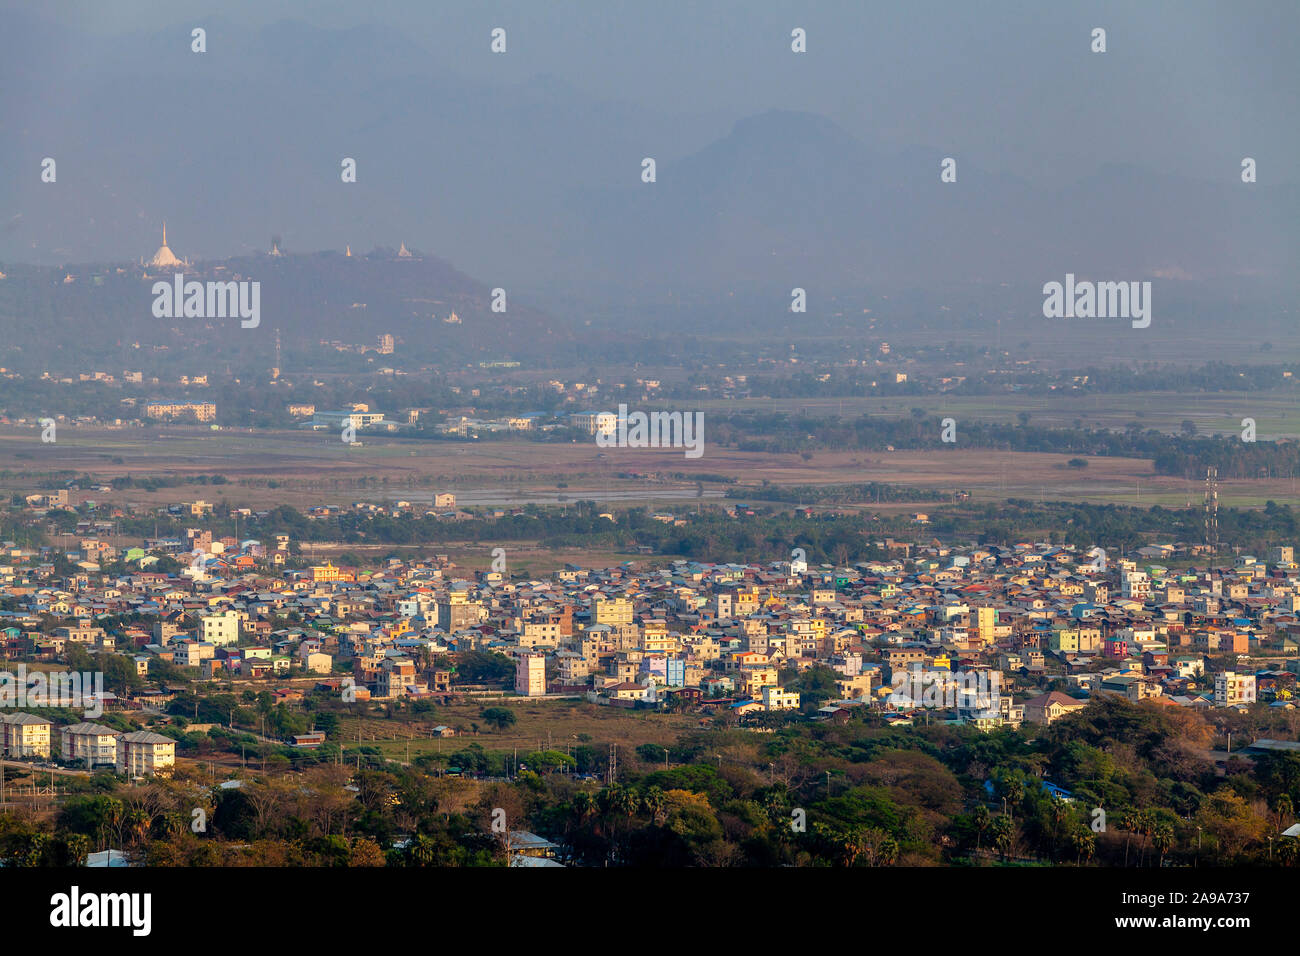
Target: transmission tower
(1212,509)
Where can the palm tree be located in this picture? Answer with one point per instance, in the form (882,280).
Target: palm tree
(1287,849)
(1163,838)
(1015,792)
(137,824)
(626,801)
(1003,835)
(982,819)
(1146,826)
(1085,844)
(1058,811)
(583,805)
(1128,822)
(78,848)
(1284,810)
(423,851)
(653,800)
(110,812)
(174,823)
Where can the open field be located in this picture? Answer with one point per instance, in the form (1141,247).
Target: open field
(522,557)
(310,469)
(553,723)
(1277,415)
(1175,336)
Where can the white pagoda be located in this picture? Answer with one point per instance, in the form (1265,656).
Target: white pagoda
(164,258)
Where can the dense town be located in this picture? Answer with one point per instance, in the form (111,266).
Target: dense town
(1047,627)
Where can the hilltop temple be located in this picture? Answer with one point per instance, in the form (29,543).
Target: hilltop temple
(164,258)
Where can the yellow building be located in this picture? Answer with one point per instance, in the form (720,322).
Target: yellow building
(778,698)
(612,611)
(202,411)
(327,572)
(142,753)
(656,638)
(753,680)
(24,735)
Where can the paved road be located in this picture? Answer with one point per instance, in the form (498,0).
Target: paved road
(23,765)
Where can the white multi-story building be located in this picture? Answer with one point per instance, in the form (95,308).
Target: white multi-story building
(337,420)
(530,675)
(596,423)
(24,735)
(143,754)
(1231,689)
(189,653)
(89,744)
(220,630)
(1135,585)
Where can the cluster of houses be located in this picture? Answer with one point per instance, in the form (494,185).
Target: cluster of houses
(1041,623)
(1043,626)
(1052,629)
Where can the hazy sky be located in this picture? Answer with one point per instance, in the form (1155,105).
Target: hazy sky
(527,166)
(1185,87)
